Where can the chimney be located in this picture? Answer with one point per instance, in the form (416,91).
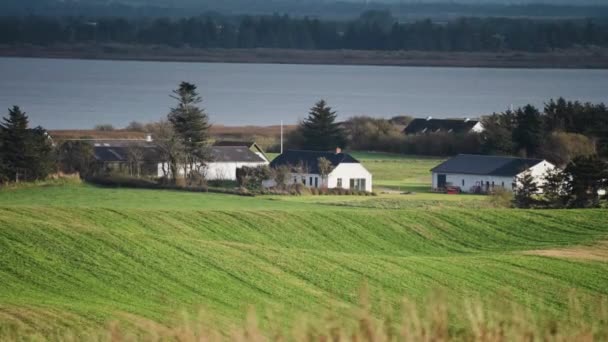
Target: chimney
(338,150)
(429,118)
(149,137)
(467,119)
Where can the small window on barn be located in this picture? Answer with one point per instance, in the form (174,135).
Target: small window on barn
(339,183)
(463,182)
(503,184)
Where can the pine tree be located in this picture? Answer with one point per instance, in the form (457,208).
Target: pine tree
(320,130)
(14,143)
(26,153)
(585,176)
(191,124)
(554,188)
(525,191)
(528,132)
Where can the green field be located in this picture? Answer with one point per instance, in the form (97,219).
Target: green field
(77,256)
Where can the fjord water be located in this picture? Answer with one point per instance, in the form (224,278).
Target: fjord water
(70,94)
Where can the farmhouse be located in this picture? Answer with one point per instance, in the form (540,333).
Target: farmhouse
(477,173)
(144,158)
(430,125)
(346,172)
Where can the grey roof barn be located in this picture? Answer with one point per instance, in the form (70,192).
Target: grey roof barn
(486,165)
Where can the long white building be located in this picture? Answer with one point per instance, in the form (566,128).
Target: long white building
(477,173)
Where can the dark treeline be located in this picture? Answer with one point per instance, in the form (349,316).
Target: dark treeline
(373,30)
(339,10)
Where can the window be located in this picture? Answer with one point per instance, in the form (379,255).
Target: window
(492,184)
(316,182)
(358,184)
(503,184)
(339,185)
(304,180)
(310,181)
(463,182)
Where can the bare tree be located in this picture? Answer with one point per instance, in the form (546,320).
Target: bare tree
(325,168)
(135,155)
(170,148)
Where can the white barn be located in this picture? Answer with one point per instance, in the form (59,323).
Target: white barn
(347,172)
(477,173)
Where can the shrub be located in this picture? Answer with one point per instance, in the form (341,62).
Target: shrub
(500,198)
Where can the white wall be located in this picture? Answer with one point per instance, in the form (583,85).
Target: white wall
(478,128)
(216,170)
(345,171)
(538,172)
(456,179)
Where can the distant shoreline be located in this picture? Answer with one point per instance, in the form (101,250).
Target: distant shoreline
(570,59)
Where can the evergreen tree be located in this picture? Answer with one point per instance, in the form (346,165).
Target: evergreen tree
(554,191)
(26,153)
(585,176)
(191,124)
(528,132)
(14,143)
(320,130)
(525,191)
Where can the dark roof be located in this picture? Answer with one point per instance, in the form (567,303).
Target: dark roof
(233,143)
(234,154)
(486,165)
(439,125)
(310,159)
(149,154)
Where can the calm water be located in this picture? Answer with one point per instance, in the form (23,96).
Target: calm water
(79,94)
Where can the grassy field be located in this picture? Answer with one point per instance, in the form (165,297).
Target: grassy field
(77,256)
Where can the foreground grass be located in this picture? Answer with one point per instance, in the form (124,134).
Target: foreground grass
(78,268)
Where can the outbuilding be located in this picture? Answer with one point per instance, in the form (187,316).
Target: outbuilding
(479,173)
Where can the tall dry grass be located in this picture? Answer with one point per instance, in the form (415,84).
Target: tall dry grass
(435,321)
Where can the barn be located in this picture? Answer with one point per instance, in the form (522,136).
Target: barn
(479,173)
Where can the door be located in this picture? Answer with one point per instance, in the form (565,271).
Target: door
(441,181)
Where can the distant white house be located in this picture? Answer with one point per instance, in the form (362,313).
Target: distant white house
(474,173)
(430,125)
(347,172)
(226,158)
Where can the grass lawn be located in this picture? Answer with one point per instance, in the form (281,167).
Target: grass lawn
(76,256)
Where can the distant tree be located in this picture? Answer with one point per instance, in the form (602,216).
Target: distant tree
(281,175)
(251,178)
(135,157)
(560,147)
(135,126)
(528,130)
(27,154)
(585,176)
(497,136)
(525,191)
(401,120)
(191,125)
(76,156)
(104,128)
(554,189)
(170,148)
(325,168)
(320,130)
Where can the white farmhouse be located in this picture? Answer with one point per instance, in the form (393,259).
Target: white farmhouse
(477,173)
(347,172)
(144,158)
(225,160)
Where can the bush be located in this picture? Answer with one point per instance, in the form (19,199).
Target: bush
(104,127)
(500,198)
